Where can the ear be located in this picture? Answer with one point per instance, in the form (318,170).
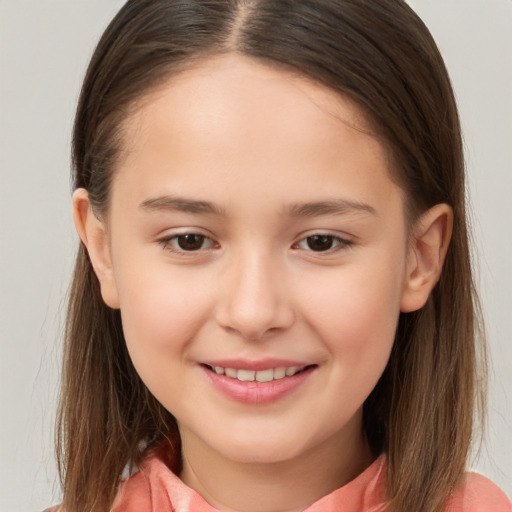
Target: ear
(427,251)
(93,234)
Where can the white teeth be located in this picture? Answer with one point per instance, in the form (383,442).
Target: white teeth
(246,375)
(230,372)
(265,375)
(280,373)
(259,376)
(291,371)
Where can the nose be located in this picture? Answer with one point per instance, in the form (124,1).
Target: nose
(254,298)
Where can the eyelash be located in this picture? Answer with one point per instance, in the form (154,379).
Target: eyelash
(168,243)
(337,243)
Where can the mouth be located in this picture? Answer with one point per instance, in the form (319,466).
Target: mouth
(257,382)
(265,375)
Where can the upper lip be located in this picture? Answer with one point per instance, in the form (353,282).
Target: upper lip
(262,364)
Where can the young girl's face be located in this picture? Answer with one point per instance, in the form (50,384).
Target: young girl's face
(254,231)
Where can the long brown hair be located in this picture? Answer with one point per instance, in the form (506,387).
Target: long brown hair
(380,54)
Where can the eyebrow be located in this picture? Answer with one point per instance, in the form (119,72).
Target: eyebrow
(331,207)
(309,209)
(181,204)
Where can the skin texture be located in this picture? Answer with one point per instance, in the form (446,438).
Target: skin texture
(257,143)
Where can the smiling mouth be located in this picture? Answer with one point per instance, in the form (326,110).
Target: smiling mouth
(267,375)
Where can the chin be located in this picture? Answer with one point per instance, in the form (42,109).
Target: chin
(261,450)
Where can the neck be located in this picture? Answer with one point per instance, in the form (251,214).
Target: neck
(282,486)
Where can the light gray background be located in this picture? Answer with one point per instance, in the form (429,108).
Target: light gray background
(44,49)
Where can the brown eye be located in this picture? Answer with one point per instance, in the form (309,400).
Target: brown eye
(190,242)
(323,242)
(319,243)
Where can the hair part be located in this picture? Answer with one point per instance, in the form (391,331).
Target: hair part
(381,56)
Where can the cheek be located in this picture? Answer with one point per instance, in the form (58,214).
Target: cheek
(162,309)
(357,301)
(356,322)
(355,313)
(161,316)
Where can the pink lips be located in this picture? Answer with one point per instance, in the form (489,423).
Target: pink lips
(253,392)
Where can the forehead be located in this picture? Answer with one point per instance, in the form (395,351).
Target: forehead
(199,93)
(231,123)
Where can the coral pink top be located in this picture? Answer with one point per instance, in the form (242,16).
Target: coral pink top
(155,488)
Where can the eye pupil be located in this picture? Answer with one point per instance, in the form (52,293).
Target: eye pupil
(320,242)
(190,242)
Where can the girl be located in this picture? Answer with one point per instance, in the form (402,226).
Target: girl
(272,307)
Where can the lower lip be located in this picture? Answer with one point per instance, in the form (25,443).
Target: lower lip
(257,392)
